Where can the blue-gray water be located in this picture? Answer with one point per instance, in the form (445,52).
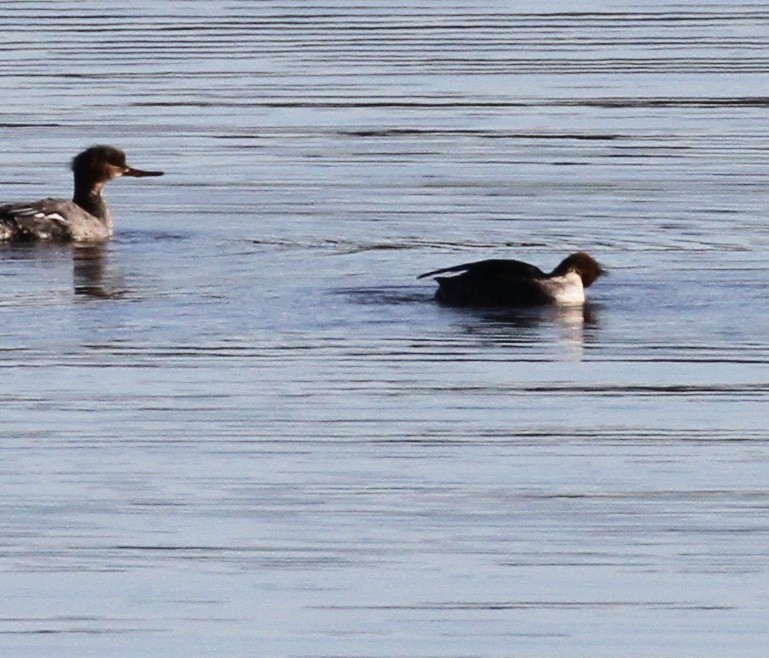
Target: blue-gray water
(243,428)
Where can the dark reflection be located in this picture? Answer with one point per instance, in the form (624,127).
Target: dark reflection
(573,327)
(584,315)
(34,251)
(90,272)
(88,275)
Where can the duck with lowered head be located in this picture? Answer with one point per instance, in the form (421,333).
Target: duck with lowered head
(499,282)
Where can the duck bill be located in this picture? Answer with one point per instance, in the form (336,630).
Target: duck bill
(140,173)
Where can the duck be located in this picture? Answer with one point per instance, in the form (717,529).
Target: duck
(84,219)
(511,283)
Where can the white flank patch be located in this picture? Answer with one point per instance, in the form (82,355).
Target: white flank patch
(566,289)
(54,217)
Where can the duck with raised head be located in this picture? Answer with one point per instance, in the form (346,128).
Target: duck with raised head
(499,282)
(84,219)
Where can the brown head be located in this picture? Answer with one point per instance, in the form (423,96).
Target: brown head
(583,264)
(98,164)
(92,169)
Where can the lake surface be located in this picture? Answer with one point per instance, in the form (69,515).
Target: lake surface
(243,428)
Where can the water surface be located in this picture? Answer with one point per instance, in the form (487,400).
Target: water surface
(244,428)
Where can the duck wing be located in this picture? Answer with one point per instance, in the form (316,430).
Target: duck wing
(493,268)
(45,219)
(503,283)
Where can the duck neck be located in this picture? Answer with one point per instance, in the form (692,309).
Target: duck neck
(88,197)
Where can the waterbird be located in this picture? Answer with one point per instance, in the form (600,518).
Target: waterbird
(84,219)
(500,282)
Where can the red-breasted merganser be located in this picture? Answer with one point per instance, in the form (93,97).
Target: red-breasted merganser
(514,283)
(84,219)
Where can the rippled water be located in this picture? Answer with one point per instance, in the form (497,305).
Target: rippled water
(243,428)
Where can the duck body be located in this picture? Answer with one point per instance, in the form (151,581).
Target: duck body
(52,219)
(510,283)
(86,218)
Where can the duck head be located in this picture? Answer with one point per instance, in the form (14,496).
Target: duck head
(99,164)
(583,264)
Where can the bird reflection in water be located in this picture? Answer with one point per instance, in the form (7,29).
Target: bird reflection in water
(571,327)
(89,272)
(577,316)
